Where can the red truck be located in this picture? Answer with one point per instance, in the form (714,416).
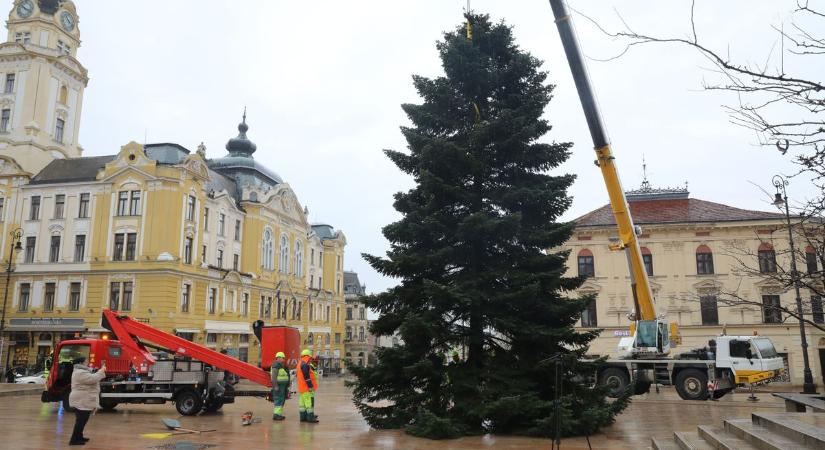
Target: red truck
(194,377)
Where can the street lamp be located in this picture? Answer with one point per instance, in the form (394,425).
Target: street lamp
(16,235)
(780,199)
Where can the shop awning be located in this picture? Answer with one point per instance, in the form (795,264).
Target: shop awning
(187,330)
(218,326)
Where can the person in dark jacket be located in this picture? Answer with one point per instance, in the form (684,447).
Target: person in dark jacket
(84,396)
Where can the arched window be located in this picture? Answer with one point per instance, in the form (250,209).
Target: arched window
(767,258)
(704,260)
(267,250)
(647,259)
(586,266)
(299,259)
(284,263)
(811,260)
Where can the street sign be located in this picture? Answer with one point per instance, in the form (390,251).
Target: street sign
(621,333)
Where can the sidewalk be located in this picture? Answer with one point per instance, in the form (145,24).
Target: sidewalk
(12,389)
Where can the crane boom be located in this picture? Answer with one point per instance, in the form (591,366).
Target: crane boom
(642,294)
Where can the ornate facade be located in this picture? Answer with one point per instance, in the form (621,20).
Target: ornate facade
(693,251)
(196,246)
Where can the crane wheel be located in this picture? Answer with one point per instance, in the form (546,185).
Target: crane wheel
(615,380)
(692,384)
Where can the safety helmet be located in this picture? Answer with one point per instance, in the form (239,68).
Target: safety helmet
(306,352)
(280,355)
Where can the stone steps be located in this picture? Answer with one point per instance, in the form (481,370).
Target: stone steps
(763,431)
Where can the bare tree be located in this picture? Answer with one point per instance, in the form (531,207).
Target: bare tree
(767,94)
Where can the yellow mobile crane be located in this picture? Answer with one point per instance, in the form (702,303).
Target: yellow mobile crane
(710,372)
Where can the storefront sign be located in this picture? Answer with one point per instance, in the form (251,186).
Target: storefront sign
(621,333)
(47,324)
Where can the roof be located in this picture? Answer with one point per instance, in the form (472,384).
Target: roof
(323,231)
(669,210)
(352,285)
(166,152)
(220,182)
(72,170)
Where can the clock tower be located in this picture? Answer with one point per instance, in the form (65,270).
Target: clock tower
(41,84)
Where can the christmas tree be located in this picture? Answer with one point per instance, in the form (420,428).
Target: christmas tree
(482,305)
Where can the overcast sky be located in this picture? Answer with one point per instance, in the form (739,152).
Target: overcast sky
(323,82)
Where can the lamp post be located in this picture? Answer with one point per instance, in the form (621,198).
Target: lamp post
(15,246)
(780,199)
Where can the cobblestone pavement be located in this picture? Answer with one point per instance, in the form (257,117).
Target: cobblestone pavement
(25,423)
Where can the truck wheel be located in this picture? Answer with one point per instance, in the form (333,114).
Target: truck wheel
(213,405)
(692,384)
(641,387)
(108,404)
(188,403)
(616,380)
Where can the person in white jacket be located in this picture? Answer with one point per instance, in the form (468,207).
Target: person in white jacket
(84,396)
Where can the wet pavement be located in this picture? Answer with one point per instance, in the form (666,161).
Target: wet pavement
(25,423)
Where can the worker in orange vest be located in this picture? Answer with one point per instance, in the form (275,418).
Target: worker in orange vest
(307,385)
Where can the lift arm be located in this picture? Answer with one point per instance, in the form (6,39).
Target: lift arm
(642,295)
(127,329)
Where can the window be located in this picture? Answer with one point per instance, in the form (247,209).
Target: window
(235,262)
(704,260)
(118,254)
(211,300)
(190,208)
(25,292)
(312,281)
(205,219)
(187,250)
(327,316)
(237,230)
(188,336)
(299,259)
(30,241)
(816,309)
(122,203)
(114,296)
(63,48)
(2,207)
(131,243)
(74,297)
(79,247)
(185,296)
(337,338)
(739,349)
(647,259)
(83,208)
(767,258)
(589,315)
(5,118)
(261,307)
(312,257)
(126,304)
(810,258)
(349,334)
(203,254)
(268,257)
(9,83)
(279,312)
(59,204)
(337,314)
(221,224)
(211,338)
(23,37)
(284,263)
(220,258)
(361,314)
(361,336)
(54,249)
(770,309)
(586,265)
(58,130)
(245,305)
(268,307)
(130,240)
(349,313)
(709,309)
(134,203)
(34,210)
(48,298)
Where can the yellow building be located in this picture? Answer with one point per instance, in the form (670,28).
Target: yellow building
(693,252)
(196,246)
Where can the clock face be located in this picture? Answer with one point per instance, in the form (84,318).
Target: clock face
(67,21)
(25,8)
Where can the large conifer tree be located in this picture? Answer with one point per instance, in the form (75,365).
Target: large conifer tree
(469,252)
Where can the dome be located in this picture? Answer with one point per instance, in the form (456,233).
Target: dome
(239,163)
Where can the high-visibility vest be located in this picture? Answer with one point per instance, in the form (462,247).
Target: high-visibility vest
(281,375)
(302,384)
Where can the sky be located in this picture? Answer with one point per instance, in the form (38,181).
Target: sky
(323,82)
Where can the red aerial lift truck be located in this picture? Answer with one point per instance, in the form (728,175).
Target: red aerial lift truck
(194,377)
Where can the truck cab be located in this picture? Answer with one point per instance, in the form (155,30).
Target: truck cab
(750,359)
